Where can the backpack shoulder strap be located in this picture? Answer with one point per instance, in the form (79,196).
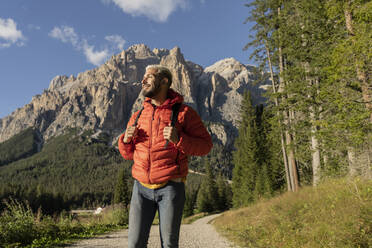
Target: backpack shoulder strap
(137,117)
(175,110)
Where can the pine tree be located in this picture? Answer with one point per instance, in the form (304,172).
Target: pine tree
(272,145)
(223,193)
(207,199)
(245,159)
(268,43)
(190,201)
(121,194)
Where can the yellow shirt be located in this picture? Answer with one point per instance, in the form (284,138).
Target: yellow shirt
(159,185)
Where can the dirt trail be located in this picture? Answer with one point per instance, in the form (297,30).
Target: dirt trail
(195,235)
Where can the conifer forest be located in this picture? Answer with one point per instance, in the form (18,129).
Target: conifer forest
(317,123)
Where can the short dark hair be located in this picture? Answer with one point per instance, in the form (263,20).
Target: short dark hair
(162,71)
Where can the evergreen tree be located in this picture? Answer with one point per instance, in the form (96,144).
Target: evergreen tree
(245,157)
(258,171)
(207,199)
(190,201)
(223,193)
(263,184)
(263,180)
(121,194)
(272,145)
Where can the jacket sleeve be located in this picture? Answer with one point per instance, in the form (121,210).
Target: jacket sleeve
(194,139)
(127,149)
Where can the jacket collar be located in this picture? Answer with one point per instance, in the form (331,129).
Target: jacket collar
(173,97)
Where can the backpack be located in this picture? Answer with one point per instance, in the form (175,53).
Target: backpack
(175,111)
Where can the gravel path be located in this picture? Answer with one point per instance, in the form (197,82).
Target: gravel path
(195,235)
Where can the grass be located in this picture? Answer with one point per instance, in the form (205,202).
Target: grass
(20,227)
(337,213)
(191,219)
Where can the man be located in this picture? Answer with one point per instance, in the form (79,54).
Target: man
(160,152)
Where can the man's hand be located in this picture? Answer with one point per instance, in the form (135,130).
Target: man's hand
(130,133)
(170,133)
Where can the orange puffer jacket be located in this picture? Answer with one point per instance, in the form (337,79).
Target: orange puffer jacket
(153,163)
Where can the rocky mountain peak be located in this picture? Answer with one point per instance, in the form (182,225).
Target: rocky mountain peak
(61,83)
(141,51)
(104,98)
(228,68)
(160,52)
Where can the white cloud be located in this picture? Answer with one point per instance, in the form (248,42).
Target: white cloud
(94,56)
(117,40)
(10,34)
(65,34)
(157,10)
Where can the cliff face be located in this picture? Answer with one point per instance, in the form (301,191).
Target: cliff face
(104,98)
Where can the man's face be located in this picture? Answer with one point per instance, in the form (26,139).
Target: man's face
(151,83)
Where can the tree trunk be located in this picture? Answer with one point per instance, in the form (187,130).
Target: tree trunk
(352,161)
(288,138)
(367,98)
(360,161)
(315,152)
(284,152)
(292,163)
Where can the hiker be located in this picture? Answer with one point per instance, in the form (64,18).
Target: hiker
(159,138)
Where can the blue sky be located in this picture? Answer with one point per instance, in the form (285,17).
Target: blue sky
(40,39)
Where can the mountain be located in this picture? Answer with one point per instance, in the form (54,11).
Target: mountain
(56,151)
(104,98)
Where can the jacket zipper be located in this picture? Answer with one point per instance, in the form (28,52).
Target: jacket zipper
(151,119)
(157,127)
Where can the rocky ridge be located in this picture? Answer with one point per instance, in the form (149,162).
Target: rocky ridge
(103,99)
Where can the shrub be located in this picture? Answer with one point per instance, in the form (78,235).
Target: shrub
(19,227)
(117,215)
(17,224)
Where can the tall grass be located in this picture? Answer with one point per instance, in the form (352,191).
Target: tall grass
(20,227)
(17,224)
(337,213)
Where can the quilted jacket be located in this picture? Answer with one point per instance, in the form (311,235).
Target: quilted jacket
(153,162)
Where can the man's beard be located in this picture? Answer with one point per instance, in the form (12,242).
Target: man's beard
(153,91)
